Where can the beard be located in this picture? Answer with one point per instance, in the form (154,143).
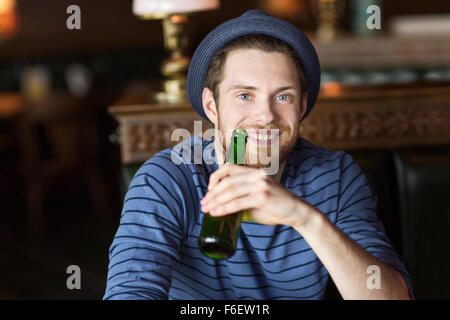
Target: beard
(263,154)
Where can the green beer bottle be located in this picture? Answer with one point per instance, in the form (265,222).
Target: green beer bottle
(219,234)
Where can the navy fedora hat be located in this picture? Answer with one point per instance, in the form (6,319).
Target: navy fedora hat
(252,22)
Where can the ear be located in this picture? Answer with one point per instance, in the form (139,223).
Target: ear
(209,105)
(304,106)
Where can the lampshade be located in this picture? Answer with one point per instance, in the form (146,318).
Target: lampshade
(8,18)
(165,7)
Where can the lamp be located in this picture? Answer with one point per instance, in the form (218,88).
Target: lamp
(8,18)
(290,10)
(328,12)
(174,14)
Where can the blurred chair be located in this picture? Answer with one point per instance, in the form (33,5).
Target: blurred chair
(127,174)
(424,186)
(11,107)
(59,139)
(378,167)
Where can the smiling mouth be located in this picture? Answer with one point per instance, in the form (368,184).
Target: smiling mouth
(263,137)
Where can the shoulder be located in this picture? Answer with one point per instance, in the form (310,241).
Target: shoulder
(178,164)
(314,167)
(306,157)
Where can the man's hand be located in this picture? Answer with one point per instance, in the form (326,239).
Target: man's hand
(234,188)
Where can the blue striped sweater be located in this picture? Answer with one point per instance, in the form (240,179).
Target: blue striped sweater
(154,254)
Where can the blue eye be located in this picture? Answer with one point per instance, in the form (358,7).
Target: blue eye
(283,97)
(244,96)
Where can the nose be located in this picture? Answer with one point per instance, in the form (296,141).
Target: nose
(264,113)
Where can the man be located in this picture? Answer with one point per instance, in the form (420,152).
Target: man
(311,220)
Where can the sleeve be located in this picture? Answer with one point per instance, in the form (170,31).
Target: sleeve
(357,218)
(151,229)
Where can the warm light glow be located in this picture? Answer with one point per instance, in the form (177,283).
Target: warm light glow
(283,7)
(160,7)
(331,88)
(8,18)
(11,104)
(7,6)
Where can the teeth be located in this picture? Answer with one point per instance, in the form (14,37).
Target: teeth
(262,137)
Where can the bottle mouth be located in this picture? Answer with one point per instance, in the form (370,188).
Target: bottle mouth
(236,148)
(239,133)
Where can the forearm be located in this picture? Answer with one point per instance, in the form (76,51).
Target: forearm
(347,262)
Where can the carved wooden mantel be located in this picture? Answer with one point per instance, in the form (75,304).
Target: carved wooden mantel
(344,118)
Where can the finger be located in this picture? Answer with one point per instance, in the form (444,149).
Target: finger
(226,196)
(234,206)
(236,186)
(217,175)
(251,201)
(226,170)
(231,181)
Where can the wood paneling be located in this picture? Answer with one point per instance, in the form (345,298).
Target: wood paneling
(359,118)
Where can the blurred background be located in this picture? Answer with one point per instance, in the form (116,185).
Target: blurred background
(91,89)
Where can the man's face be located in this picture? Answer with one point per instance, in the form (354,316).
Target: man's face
(260,92)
